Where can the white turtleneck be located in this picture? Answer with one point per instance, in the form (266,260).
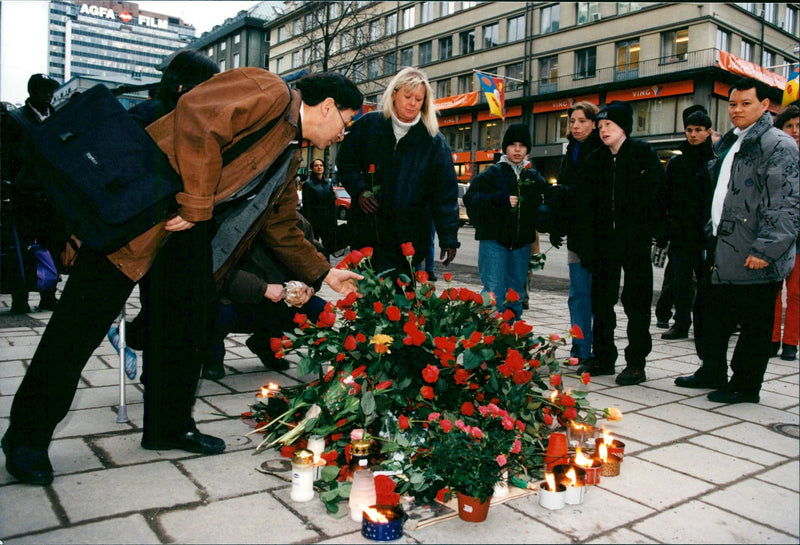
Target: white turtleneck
(401,128)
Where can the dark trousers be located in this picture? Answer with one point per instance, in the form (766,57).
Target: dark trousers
(180,311)
(666,299)
(92,298)
(751,306)
(687,262)
(637,297)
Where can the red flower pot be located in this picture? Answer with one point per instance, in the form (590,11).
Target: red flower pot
(470,509)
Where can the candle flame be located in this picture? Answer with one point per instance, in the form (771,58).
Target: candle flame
(582,460)
(374,515)
(551,481)
(572,476)
(553,396)
(269,390)
(608,439)
(603,452)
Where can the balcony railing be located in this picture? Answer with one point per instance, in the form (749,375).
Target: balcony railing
(652,67)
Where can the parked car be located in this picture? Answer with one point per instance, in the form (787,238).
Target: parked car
(342,202)
(463,218)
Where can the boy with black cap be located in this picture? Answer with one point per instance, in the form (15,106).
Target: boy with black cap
(31,215)
(617,211)
(688,202)
(501,203)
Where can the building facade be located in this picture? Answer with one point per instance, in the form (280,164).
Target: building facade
(660,56)
(110,42)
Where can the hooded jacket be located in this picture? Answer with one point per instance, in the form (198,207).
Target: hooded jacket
(760,211)
(489,209)
(416,181)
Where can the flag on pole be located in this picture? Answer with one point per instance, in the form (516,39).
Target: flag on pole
(494,89)
(790,93)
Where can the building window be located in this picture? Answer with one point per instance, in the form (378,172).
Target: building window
(628,7)
(426,12)
(221,65)
(516,29)
(749,6)
(236,60)
(306,55)
(391,23)
(491,35)
(425,53)
(389,64)
(467,5)
(222,46)
(548,74)
(443,88)
(211,51)
(295,59)
(467,40)
(490,135)
(358,72)
(346,40)
(768,59)
(297,27)
(587,12)
(446,8)
(279,65)
(465,84)
(723,40)
(459,137)
(360,36)
(237,39)
(373,68)
(308,22)
(550,18)
(627,59)
(514,76)
(586,63)
(407,57)
(445,48)
(333,10)
(770,13)
(408,18)
(550,128)
(674,45)
(747,50)
(374,30)
(791,20)
(281,33)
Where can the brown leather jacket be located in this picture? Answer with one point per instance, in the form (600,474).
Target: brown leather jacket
(206,122)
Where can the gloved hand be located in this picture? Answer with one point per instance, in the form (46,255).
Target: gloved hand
(556,241)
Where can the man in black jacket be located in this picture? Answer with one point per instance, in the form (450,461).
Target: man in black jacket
(688,201)
(617,209)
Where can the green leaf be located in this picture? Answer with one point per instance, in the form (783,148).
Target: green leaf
(329,473)
(472,360)
(329,495)
(344,490)
(305,366)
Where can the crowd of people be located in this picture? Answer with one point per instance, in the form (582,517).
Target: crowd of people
(729,212)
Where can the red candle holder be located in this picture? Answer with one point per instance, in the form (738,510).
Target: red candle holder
(593,471)
(616,447)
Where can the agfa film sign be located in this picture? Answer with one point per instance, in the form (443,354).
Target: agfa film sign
(124,16)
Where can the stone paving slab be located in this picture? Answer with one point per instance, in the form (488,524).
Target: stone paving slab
(123,530)
(756,500)
(786,475)
(715,467)
(18,502)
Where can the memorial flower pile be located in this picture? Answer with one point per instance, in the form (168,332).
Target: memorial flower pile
(432,378)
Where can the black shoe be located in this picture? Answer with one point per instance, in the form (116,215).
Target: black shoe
(630,376)
(432,277)
(20,308)
(789,352)
(48,302)
(724,396)
(662,324)
(696,382)
(28,465)
(592,366)
(675,333)
(774,348)
(213,371)
(191,441)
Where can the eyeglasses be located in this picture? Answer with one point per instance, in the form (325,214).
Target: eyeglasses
(344,132)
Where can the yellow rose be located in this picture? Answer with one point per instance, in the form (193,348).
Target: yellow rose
(612,413)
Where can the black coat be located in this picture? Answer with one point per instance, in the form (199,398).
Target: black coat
(688,193)
(319,208)
(489,210)
(414,180)
(618,204)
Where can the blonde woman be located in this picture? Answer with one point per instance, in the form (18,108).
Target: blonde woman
(398,169)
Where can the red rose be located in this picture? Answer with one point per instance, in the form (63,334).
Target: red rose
(407,248)
(422,276)
(548,419)
(571,413)
(512,296)
(522,377)
(461,376)
(476,433)
(380,348)
(335,437)
(427,392)
(326,319)
(446,425)
(586,378)
(377,306)
(287,451)
(555,380)
(443,495)
(393,313)
(521,328)
(330,457)
(567,401)
(366,251)
(350,343)
(430,373)
(300,319)
(340,357)
(371,169)
(467,409)
(350,315)
(488,340)
(448,276)
(360,337)
(356,257)
(383,385)
(347,301)
(275,344)
(402,422)
(576,332)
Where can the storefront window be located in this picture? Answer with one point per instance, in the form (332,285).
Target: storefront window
(550,128)
(651,117)
(719,115)
(491,135)
(459,137)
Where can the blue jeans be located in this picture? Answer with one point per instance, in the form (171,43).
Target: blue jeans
(580,309)
(502,269)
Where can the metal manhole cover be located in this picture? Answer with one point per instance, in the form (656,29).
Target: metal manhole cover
(789,430)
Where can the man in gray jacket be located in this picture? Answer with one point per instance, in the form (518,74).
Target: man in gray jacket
(754,221)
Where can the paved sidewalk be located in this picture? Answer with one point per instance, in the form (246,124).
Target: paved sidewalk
(694,471)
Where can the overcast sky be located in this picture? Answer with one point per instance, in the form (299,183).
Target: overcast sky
(23,34)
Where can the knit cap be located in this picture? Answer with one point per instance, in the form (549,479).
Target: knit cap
(620,113)
(696,115)
(517,133)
